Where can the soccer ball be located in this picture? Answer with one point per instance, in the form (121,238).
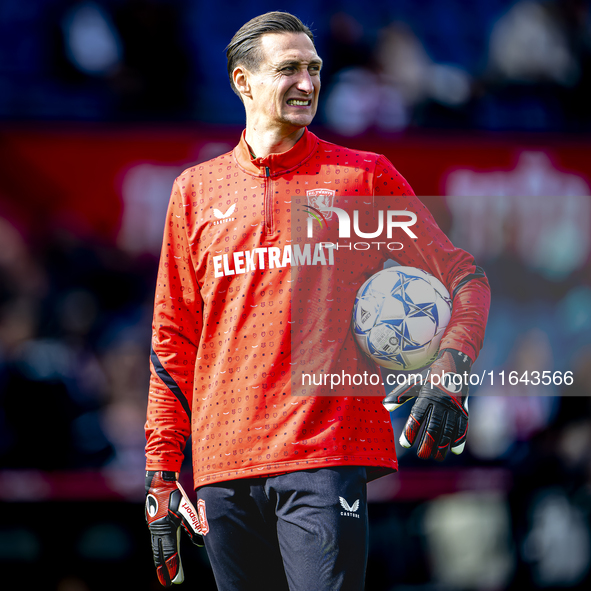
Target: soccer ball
(399,317)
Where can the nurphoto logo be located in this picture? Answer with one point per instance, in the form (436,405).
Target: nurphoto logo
(392,221)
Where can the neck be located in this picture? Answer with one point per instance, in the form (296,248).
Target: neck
(263,144)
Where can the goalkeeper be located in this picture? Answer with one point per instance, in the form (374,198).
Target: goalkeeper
(281,473)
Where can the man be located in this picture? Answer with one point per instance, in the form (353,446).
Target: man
(245,304)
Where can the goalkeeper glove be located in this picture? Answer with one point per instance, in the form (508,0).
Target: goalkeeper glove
(406,391)
(441,406)
(167,508)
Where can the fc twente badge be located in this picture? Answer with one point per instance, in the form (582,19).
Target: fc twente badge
(321,199)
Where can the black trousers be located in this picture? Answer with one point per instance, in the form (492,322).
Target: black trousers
(301,531)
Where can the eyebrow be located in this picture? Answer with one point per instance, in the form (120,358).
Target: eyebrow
(313,62)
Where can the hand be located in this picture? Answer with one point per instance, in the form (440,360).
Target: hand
(406,391)
(441,407)
(167,508)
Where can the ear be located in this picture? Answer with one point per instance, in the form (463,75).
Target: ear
(241,78)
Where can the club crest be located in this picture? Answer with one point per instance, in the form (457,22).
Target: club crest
(321,199)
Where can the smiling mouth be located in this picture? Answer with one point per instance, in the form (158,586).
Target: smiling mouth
(299,102)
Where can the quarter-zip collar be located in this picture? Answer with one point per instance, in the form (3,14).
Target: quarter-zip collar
(275,164)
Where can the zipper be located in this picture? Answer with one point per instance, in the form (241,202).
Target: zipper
(268,203)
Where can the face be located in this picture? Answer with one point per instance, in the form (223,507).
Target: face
(283,93)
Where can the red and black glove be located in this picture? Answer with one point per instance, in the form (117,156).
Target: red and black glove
(441,407)
(406,391)
(167,509)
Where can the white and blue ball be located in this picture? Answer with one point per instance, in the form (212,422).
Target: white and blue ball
(399,317)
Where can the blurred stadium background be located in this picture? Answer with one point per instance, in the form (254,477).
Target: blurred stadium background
(483,105)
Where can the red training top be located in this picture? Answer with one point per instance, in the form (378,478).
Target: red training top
(251,297)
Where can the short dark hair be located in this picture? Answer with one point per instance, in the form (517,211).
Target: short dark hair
(245,47)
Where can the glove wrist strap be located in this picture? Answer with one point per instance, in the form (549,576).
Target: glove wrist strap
(153,477)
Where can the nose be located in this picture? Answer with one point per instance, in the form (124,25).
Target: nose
(305,83)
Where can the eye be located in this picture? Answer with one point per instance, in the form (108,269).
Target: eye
(288,69)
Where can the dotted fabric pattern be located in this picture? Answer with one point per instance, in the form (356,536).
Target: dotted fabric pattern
(246,302)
